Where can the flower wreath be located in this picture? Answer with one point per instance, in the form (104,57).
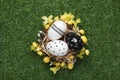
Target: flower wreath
(61,42)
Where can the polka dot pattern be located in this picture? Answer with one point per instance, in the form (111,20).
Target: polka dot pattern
(74,41)
(57,48)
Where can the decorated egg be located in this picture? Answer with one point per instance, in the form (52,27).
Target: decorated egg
(74,41)
(57,30)
(57,48)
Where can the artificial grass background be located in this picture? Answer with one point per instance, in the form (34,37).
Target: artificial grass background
(20,20)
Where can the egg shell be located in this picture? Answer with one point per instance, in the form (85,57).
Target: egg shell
(74,41)
(57,30)
(57,48)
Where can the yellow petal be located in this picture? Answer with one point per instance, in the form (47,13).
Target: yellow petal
(71,22)
(62,64)
(65,13)
(78,21)
(82,31)
(45,23)
(63,17)
(50,17)
(87,52)
(35,44)
(72,16)
(56,18)
(70,65)
(54,69)
(75,25)
(80,55)
(33,48)
(47,26)
(83,48)
(57,64)
(71,56)
(38,48)
(46,59)
(44,17)
(67,17)
(50,21)
(84,39)
(40,53)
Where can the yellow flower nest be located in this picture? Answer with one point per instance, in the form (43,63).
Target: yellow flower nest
(68,60)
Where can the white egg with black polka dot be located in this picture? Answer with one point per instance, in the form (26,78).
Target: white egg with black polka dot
(57,47)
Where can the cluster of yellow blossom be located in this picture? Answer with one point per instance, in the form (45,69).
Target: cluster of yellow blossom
(66,17)
(69,19)
(37,48)
(47,21)
(83,51)
(58,65)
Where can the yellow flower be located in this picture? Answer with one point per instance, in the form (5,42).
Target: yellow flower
(84,39)
(82,51)
(71,56)
(87,52)
(78,21)
(71,22)
(40,53)
(57,64)
(80,55)
(33,48)
(47,20)
(44,17)
(56,18)
(54,69)
(70,65)
(46,59)
(83,48)
(45,23)
(47,26)
(82,31)
(34,44)
(38,48)
(62,64)
(50,21)
(50,17)
(67,16)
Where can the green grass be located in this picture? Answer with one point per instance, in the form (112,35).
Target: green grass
(20,20)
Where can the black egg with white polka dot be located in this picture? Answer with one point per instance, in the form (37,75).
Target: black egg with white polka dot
(74,41)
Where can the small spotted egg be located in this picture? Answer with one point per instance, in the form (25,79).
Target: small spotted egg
(57,48)
(57,30)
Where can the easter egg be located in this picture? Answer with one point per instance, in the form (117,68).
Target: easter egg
(74,41)
(57,30)
(57,48)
